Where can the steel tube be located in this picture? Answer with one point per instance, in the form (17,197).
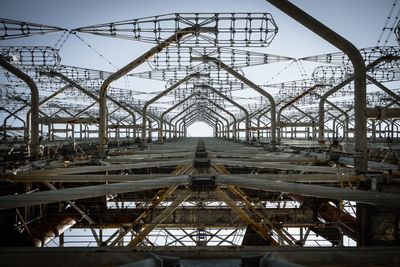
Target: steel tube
(167,111)
(252,85)
(356,59)
(34,135)
(45,197)
(361,196)
(123,71)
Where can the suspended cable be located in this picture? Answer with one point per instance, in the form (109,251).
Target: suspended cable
(281,71)
(126,80)
(61,41)
(390,24)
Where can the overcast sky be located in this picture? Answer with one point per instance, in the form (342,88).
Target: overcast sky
(360,21)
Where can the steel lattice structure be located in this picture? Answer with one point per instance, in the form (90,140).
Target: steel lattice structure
(11,29)
(88,163)
(233,29)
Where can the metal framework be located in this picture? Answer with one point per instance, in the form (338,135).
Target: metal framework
(87,164)
(233,29)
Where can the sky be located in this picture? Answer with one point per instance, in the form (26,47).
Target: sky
(359,21)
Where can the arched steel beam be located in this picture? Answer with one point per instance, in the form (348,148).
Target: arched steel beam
(196,112)
(226,111)
(360,83)
(160,95)
(34,136)
(219,125)
(180,113)
(5,128)
(160,135)
(336,88)
(193,120)
(206,121)
(247,116)
(222,117)
(221,65)
(192,117)
(127,68)
(90,94)
(40,103)
(290,103)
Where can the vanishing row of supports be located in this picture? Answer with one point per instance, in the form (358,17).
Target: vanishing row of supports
(209,115)
(384,113)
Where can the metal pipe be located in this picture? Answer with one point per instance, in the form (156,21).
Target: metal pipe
(34,125)
(160,95)
(88,93)
(360,155)
(123,71)
(170,109)
(222,117)
(247,117)
(221,65)
(361,196)
(45,197)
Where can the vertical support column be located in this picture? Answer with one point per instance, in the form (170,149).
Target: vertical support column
(360,155)
(34,125)
(123,71)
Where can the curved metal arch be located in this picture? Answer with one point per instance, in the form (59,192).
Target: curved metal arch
(184,120)
(220,64)
(123,71)
(193,120)
(160,135)
(247,116)
(336,88)
(219,115)
(215,104)
(34,136)
(227,112)
(160,95)
(195,112)
(360,159)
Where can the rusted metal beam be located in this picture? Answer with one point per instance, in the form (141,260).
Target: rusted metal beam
(385,256)
(275,165)
(161,196)
(129,67)
(81,212)
(199,217)
(45,197)
(360,84)
(361,196)
(255,225)
(258,216)
(160,218)
(34,125)
(114,167)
